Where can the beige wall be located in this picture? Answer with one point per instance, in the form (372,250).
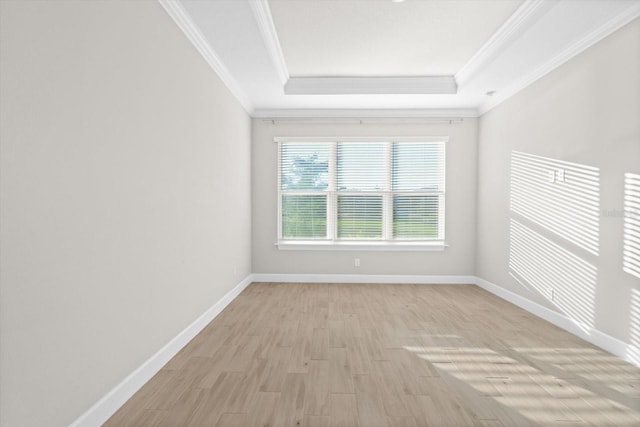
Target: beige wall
(586,112)
(457,259)
(125,198)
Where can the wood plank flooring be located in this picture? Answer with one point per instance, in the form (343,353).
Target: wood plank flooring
(332,355)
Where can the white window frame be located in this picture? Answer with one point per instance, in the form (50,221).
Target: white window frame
(331,242)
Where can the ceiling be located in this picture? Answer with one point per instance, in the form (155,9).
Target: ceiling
(380,58)
(383,38)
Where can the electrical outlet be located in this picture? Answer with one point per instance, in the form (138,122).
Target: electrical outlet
(356,262)
(547,292)
(560,175)
(551,177)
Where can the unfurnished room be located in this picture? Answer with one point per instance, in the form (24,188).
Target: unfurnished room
(319,213)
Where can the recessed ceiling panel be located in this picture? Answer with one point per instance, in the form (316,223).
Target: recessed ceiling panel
(382,37)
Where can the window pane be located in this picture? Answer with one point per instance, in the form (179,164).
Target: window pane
(415,217)
(418,166)
(304,217)
(304,166)
(361,166)
(359,217)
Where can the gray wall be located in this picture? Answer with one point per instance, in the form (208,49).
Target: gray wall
(457,259)
(586,112)
(125,198)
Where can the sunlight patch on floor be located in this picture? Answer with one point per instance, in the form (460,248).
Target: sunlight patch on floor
(513,385)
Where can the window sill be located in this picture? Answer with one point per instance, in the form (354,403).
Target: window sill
(314,245)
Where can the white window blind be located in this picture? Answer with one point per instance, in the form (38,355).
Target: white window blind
(304,182)
(418,190)
(369,191)
(361,181)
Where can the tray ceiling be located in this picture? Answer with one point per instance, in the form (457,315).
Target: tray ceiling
(382,38)
(378,58)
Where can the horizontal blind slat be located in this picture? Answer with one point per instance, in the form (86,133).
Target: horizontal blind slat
(360,166)
(416,217)
(304,216)
(304,166)
(359,217)
(418,167)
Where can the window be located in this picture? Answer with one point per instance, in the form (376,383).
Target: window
(361,192)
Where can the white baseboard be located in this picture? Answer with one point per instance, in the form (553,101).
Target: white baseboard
(625,351)
(112,401)
(363,278)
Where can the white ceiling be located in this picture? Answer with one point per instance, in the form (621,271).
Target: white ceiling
(258,48)
(383,38)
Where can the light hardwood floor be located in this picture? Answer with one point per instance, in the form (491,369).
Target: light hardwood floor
(384,355)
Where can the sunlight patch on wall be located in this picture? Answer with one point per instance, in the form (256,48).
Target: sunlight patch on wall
(560,276)
(631,254)
(560,196)
(634,327)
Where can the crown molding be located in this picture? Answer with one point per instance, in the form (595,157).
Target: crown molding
(182,19)
(522,19)
(570,52)
(269,35)
(370,85)
(403,115)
